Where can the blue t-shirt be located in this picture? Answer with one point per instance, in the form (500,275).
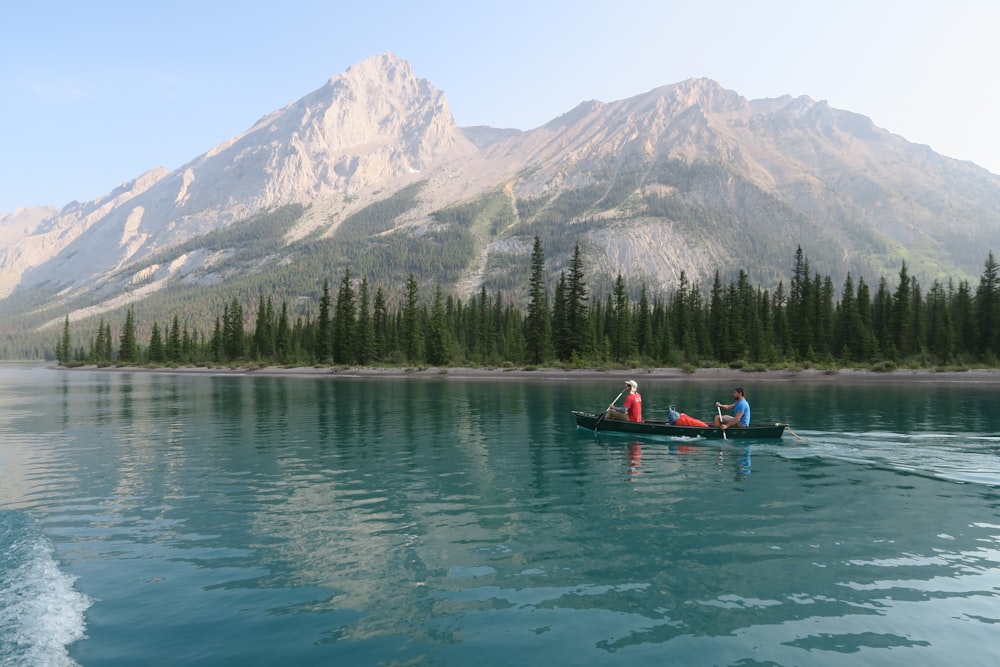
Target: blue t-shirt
(744,407)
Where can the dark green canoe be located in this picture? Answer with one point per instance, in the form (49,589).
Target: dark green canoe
(587,420)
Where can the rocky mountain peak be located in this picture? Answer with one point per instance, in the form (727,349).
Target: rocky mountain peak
(663,170)
(374,125)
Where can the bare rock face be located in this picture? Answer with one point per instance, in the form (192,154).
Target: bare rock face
(33,237)
(832,176)
(374,125)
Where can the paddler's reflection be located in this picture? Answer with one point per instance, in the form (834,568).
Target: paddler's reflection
(743,464)
(633,455)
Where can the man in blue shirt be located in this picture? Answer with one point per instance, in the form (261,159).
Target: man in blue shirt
(740,408)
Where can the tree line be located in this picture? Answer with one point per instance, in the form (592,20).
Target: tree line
(735,324)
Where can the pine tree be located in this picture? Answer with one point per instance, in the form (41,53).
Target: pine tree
(106,352)
(901,329)
(866,333)
(576,307)
(324,329)
(437,354)
(264,332)
(801,308)
(683,315)
(560,324)
(742,316)
(719,321)
(537,328)
(412,340)
(283,336)
(486,331)
(987,305)
(216,343)
(779,310)
(233,334)
(63,346)
(823,327)
(963,316)
(940,329)
(621,342)
(365,338)
(157,352)
(380,323)
(644,326)
(173,350)
(344,322)
(128,349)
(187,345)
(847,341)
(882,320)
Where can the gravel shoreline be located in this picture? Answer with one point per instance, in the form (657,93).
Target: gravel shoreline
(559,374)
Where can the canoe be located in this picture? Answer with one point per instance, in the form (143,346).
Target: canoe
(587,420)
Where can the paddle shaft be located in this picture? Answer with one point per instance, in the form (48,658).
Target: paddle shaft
(605,413)
(724,436)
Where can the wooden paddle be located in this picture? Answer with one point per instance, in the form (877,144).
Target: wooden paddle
(605,413)
(724,436)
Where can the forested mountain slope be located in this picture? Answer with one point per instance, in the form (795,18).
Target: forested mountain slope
(370,173)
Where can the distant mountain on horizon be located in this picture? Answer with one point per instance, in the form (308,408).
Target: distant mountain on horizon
(688,177)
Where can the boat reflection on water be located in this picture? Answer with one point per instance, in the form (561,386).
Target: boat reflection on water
(633,457)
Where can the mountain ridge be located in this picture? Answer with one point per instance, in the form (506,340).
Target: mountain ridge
(653,185)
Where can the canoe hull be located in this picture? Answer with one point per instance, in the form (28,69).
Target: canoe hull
(655,427)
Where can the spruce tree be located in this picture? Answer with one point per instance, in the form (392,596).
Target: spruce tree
(174,342)
(940,329)
(128,349)
(560,322)
(621,341)
(365,337)
(63,346)
(343,322)
(644,326)
(847,341)
(486,331)
(576,307)
(380,325)
(537,329)
(901,329)
(963,315)
(283,336)
(437,354)
(263,335)
(882,320)
(216,344)
(987,305)
(718,320)
(411,321)
(324,330)
(157,352)
(233,334)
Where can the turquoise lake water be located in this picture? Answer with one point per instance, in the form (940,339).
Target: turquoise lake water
(156,519)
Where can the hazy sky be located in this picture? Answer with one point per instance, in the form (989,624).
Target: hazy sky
(96,93)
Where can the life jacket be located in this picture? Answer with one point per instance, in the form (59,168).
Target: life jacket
(685,420)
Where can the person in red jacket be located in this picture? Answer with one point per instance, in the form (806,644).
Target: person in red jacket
(632,409)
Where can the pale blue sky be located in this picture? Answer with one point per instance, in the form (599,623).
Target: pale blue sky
(92,94)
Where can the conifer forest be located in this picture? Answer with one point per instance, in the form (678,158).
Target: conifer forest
(895,323)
